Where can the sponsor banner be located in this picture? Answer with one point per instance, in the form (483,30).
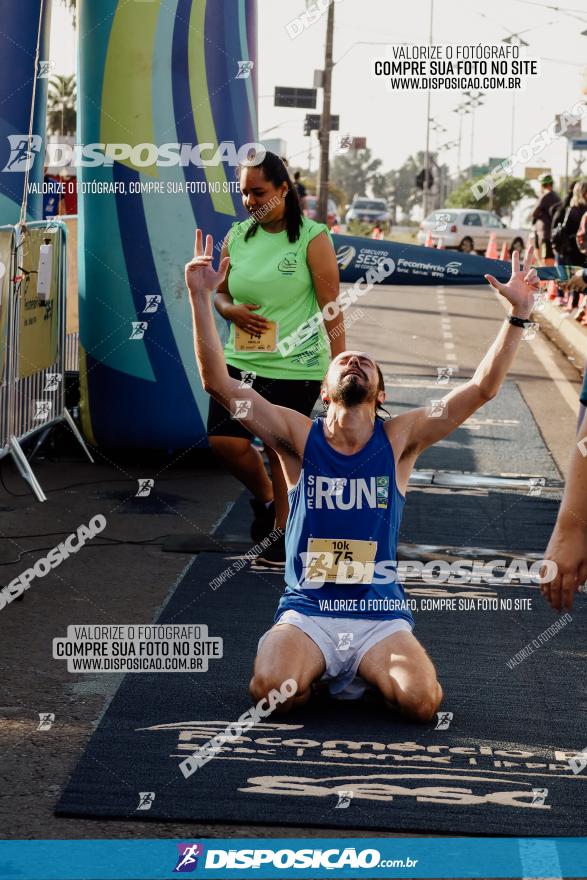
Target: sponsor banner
(413,264)
(293,857)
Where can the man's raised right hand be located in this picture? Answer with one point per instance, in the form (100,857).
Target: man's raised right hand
(200,277)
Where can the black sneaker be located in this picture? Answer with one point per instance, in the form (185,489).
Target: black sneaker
(274,555)
(264,519)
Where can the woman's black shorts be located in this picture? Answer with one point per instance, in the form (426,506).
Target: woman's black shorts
(298,394)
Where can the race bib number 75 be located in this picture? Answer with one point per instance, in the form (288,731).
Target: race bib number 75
(339,561)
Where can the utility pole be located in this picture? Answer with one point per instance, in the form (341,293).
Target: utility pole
(324,133)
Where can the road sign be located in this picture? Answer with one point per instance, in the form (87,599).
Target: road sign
(312,123)
(579,143)
(289,97)
(533,172)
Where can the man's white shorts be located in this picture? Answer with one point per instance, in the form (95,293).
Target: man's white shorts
(343,642)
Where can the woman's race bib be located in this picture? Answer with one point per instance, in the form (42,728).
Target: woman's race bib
(263,341)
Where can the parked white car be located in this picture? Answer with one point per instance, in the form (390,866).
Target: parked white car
(468,230)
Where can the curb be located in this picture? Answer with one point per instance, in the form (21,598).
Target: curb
(561,323)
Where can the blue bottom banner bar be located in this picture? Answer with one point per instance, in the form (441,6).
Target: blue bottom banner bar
(529,858)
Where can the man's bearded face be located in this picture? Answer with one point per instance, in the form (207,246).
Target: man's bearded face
(352,379)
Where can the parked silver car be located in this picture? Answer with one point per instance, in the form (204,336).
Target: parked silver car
(468,230)
(368,211)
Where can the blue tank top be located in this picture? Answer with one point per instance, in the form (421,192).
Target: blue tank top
(341,534)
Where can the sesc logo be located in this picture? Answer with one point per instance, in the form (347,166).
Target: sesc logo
(187,861)
(344,255)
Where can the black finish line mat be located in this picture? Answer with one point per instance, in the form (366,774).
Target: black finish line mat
(499,768)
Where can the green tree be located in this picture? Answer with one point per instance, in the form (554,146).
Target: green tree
(501,199)
(354,172)
(61,112)
(383,185)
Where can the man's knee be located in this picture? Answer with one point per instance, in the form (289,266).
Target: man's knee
(261,686)
(419,701)
(422,703)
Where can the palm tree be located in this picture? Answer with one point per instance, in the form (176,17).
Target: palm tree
(72,6)
(61,113)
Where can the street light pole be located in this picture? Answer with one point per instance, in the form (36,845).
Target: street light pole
(462,112)
(427,159)
(473,102)
(324,134)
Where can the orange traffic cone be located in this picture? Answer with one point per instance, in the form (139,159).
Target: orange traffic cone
(491,252)
(429,240)
(505,252)
(440,244)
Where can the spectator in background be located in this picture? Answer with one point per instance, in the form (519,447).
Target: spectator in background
(558,221)
(542,218)
(577,285)
(377,232)
(566,222)
(301,190)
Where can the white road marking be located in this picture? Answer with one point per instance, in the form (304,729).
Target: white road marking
(543,353)
(567,391)
(445,326)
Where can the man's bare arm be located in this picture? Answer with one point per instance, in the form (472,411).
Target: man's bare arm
(281,428)
(326,279)
(420,428)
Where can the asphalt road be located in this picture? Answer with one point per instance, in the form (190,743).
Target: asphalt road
(412,332)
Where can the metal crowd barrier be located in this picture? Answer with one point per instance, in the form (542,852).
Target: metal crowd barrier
(34,352)
(72,352)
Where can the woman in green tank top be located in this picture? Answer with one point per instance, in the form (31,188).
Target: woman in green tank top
(282,274)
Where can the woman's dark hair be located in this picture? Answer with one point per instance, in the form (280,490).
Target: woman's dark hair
(380,387)
(276,173)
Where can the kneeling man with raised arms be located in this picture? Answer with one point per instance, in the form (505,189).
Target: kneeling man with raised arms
(343,617)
